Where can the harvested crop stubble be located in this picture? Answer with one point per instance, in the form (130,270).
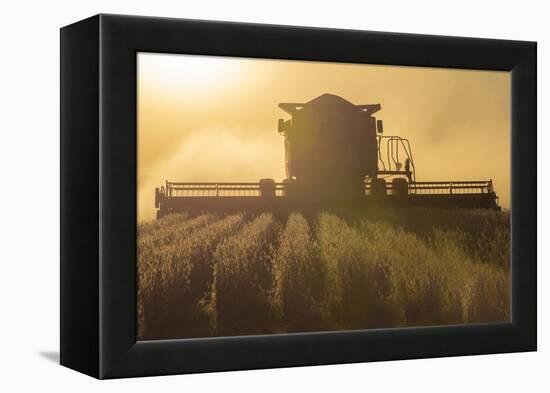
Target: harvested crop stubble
(176,277)
(239,302)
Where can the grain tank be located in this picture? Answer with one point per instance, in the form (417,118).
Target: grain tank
(330,147)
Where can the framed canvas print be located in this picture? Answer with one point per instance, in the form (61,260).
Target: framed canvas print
(238,196)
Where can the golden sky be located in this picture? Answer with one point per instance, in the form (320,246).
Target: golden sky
(206,118)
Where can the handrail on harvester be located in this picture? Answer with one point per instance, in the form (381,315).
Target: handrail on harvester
(197,189)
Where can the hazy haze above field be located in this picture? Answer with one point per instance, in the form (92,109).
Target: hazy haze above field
(204,118)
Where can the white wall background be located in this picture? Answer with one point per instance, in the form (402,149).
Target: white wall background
(29,168)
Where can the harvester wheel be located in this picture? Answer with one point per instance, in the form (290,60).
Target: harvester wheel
(400,187)
(267,188)
(378,188)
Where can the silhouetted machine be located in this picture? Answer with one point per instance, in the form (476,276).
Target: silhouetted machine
(336,155)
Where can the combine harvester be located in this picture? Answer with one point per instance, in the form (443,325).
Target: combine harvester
(336,156)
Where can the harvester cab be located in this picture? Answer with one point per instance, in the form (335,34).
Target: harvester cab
(334,145)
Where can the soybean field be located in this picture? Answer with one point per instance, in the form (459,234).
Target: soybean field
(242,274)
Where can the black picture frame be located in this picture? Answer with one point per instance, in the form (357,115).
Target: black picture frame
(98,196)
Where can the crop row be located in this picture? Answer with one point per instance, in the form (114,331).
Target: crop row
(173,279)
